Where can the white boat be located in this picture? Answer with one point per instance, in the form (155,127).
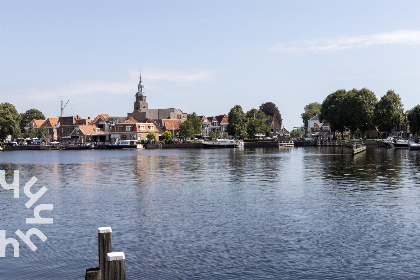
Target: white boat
(125,144)
(399,143)
(220,143)
(413,144)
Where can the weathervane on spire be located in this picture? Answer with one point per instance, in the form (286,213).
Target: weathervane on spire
(140,91)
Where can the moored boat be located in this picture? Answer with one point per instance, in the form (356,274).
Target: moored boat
(413,144)
(399,143)
(125,144)
(77,147)
(220,143)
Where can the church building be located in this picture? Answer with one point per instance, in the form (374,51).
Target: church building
(141,109)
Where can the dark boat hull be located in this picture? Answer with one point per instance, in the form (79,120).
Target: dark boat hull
(218,146)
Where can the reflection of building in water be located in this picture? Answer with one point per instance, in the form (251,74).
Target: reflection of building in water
(158,167)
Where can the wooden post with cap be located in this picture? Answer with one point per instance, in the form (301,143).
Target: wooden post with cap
(104,247)
(115,266)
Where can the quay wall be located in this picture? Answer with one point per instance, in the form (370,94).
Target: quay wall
(261,144)
(20,148)
(174,146)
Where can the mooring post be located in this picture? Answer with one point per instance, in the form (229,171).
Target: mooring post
(93,274)
(116,266)
(104,247)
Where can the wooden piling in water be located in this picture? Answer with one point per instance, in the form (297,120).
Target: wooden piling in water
(104,247)
(93,274)
(111,264)
(116,266)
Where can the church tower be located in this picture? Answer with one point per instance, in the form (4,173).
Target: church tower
(140,104)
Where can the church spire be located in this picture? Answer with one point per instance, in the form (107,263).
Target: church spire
(140,87)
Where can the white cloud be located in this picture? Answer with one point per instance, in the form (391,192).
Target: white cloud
(408,37)
(116,88)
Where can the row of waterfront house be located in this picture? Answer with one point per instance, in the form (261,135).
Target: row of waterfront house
(135,126)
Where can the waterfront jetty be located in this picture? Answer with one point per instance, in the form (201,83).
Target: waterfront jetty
(357,148)
(111,264)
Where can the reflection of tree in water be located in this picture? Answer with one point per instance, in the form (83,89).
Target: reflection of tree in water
(376,167)
(255,164)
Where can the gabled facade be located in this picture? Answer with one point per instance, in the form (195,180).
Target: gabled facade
(274,128)
(130,129)
(88,133)
(50,126)
(205,127)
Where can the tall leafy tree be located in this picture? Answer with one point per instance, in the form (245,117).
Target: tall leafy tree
(255,114)
(29,115)
(388,112)
(41,133)
(414,118)
(31,132)
(270,109)
(237,122)
(9,121)
(256,126)
(186,129)
(195,122)
(333,110)
(359,109)
(311,110)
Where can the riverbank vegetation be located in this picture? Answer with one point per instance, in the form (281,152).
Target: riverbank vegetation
(360,111)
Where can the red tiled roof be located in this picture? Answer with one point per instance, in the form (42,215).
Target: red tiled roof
(170,124)
(222,118)
(90,130)
(130,119)
(50,122)
(37,123)
(101,117)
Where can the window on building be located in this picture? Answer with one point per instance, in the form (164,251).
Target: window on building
(142,127)
(128,128)
(151,127)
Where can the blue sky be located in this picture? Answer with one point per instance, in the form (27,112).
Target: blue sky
(204,56)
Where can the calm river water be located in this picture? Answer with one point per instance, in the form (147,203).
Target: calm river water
(299,213)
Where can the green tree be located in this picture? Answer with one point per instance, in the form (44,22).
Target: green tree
(255,114)
(414,118)
(186,130)
(166,136)
(359,109)
(9,121)
(333,110)
(237,122)
(151,136)
(388,112)
(29,115)
(41,133)
(196,123)
(256,126)
(295,133)
(311,110)
(31,132)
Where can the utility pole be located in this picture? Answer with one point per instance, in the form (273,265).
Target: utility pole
(61,120)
